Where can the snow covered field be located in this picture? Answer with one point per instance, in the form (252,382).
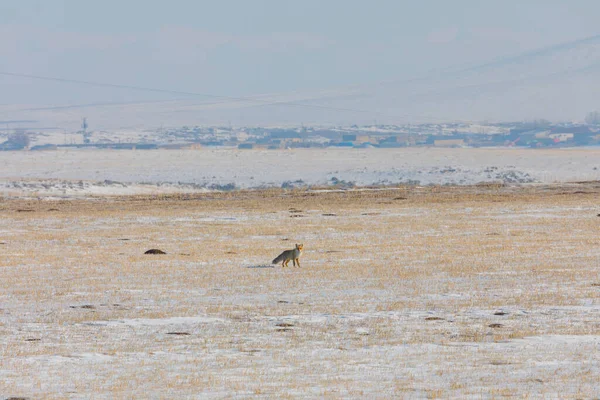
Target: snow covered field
(84,172)
(417,292)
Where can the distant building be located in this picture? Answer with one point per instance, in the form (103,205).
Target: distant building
(285,134)
(242,136)
(537,133)
(561,137)
(357,139)
(577,130)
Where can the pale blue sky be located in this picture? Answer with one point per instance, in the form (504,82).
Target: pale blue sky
(250,47)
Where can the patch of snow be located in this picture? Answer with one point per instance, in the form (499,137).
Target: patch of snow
(158,321)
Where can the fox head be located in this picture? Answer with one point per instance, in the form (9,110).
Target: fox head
(299,246)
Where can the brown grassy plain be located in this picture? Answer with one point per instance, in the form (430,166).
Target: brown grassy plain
(418,292)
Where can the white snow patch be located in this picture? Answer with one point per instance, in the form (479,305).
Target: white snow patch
(158,321)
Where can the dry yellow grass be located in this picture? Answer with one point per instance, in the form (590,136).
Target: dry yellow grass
(410,292)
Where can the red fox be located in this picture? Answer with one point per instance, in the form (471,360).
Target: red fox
(290,255)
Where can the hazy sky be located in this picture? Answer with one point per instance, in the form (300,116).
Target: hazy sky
(249,47)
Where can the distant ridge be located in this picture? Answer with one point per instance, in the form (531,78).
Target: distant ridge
(556,82)
(544,51)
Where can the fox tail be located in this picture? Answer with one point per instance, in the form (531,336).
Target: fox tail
(279,258)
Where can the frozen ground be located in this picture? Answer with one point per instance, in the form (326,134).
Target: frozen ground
(81,172)
(438,292)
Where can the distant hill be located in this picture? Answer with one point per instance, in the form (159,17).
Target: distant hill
(560,82)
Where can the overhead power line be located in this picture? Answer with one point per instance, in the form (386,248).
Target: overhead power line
(179,92)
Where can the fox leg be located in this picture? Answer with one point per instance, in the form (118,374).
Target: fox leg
(284,263)
(294,262)
(298,262)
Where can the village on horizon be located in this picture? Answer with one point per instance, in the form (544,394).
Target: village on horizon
(17,135)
